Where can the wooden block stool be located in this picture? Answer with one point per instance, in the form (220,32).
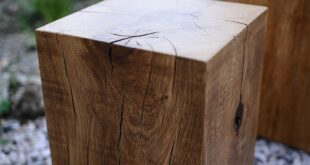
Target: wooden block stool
(153,82)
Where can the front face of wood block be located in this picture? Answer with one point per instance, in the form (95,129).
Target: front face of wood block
(152,97)
(138,108)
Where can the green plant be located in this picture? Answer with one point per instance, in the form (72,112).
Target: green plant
(52,9)
(35,13)
(28,16)
(4,141)
(4,106)
(14,84)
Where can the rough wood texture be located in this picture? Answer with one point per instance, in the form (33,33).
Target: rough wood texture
(285,102)
(128,82)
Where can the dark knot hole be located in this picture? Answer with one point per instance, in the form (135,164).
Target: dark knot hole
(239,116)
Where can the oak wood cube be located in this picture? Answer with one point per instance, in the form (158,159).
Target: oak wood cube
(153,82)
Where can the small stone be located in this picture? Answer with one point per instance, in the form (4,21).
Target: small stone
(46,153)
(4,160)
(9,125)
(13,157)
(33,157)
(14,142)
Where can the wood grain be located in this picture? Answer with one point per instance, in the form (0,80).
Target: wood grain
(285,101)
(180,88)
(233,90)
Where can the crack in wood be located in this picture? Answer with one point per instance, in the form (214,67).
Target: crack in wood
(128,41)
(120,35)
(144,98)
(121,125)
(110,57)
(179,129)
(133,36)
(105,82)
(175,139)
(71,93)
(240,110)
(129,38)
(193,15)
(164,99)
(171,152)
(147,88)
(67,76)
(244,56)
(199,27)
(138,44)
(175,61)
(227,20)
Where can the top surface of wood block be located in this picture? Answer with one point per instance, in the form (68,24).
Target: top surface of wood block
(193,29)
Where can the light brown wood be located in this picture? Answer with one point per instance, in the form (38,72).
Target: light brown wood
(285,102)
(128,82)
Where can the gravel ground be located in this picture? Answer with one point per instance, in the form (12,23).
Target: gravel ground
(26,144)
(271,153)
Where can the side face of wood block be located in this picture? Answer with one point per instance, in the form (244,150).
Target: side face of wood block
(126,82)
(285,101)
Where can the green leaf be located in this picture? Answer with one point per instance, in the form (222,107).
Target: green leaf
(14,84)
(4,141)
(53,9)
(4,106)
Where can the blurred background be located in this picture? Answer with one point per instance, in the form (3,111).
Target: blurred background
(23,133)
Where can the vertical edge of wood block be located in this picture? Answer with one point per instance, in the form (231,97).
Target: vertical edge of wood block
(233,93)
(57,96)
(252,78)
(224,72)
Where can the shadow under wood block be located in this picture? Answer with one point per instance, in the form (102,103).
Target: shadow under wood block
(285,102)
(162,82)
